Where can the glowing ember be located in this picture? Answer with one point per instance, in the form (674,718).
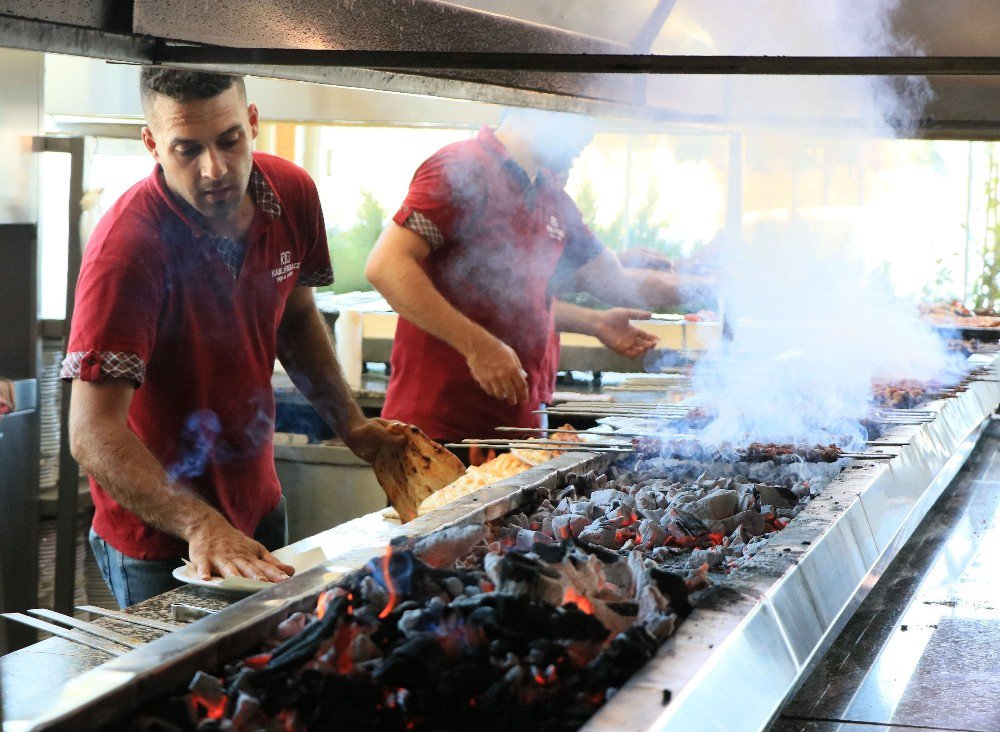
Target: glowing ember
(581,601)
(213,709)
(323,603)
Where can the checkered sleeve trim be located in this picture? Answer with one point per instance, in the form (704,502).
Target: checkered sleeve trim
(319,278)
(97,365)
(420,224)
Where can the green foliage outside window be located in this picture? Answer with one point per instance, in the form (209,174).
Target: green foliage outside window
(349,248)
(986,291)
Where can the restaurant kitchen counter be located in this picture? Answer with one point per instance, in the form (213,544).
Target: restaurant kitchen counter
(28,676)
(31,677)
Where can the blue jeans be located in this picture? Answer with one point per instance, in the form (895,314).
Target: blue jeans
(134,580)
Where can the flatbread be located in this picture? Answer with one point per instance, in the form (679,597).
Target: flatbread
(505,465)
(410,476)
(493,471)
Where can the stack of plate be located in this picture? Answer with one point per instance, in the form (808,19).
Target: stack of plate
(49,405)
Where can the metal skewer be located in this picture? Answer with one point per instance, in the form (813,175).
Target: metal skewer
(576,448)
(129,618)
(547,444)
(71,635)
(86,627)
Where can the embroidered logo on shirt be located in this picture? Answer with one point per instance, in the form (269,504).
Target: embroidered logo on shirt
(286,267)
(555,232)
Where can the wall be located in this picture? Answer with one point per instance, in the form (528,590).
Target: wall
(20,121)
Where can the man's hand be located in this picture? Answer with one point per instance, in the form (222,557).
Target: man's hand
(614,329)
(497,370)
(217,546)
(366,438)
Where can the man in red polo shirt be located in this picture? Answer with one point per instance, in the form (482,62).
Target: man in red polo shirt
(467,263)
(191,284)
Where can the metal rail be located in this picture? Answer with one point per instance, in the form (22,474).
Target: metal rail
(588,63)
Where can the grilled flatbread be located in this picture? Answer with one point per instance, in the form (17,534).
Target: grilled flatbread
(499,468)
(412,475)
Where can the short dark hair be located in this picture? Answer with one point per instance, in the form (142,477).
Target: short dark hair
(184,86)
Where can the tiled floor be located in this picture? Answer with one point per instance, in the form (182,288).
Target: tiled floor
(923,650)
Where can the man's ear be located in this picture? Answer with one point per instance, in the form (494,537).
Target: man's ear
(150,143)
(252,112)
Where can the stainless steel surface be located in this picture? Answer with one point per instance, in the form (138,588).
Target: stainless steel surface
(72,635)
(128,618)
(767,622)
(372,25)
(761,625)
(921,649)
(86,627)
(184,613)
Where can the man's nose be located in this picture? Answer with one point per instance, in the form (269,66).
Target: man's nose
(213,164)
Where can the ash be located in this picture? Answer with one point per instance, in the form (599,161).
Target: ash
(542,617)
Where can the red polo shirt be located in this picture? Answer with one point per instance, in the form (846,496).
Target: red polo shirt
(160,302)
(496,239)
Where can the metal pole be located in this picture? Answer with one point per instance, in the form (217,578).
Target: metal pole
(69,471)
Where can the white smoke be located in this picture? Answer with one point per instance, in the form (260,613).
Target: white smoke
(811,326)
(811,330)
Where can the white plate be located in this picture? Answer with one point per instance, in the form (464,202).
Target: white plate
(301,561)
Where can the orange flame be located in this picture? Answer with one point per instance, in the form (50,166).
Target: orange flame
(581,601)
(393,599)
(323,603)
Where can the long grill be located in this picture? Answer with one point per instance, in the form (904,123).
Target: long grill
(766,609)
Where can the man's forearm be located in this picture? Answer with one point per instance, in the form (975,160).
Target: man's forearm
(133,477)
(306,352)
(570,318)
(410,292)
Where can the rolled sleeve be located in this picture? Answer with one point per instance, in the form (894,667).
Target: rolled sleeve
(444,199)
(99,365)
(114,320)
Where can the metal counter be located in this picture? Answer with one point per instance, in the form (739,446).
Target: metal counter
(751,637)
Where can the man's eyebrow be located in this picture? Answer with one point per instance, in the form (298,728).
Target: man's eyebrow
(187,141)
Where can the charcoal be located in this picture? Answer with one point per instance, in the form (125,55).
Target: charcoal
(776,496)
(690,524)
(600,535)
(719,504)
(712,557)
(567,525)
(292,625)
(527,539)
(208,687)
(363,649)
(419,656)
(651,533)
(246,707)
(535,625)
(609,496)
